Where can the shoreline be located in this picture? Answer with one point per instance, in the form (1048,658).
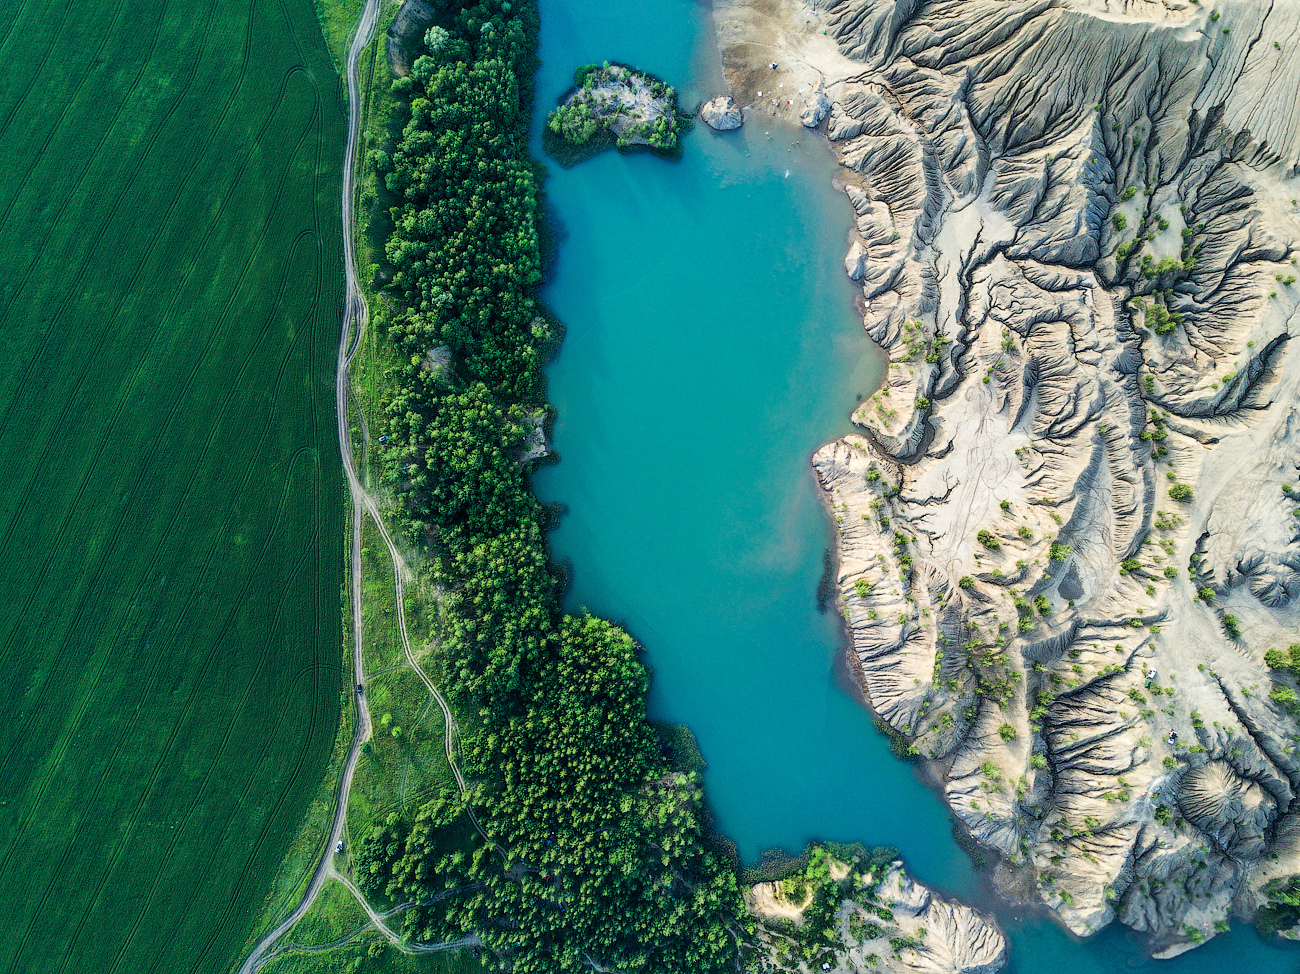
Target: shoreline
(933,774)
(908,227)
(996,877)
(1002,890)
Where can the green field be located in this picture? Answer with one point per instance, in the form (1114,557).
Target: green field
(171,510)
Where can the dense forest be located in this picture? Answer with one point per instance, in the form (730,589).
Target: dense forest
(597,855)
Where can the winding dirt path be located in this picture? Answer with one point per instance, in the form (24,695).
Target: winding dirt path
(355,316)
(354,309)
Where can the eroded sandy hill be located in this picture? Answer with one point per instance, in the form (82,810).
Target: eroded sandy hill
(873,919)
(1068,533)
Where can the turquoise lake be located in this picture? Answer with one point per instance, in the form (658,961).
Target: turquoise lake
(712,346)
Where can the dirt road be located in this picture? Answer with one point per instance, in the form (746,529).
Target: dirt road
(354,317)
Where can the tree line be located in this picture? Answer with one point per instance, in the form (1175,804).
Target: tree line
(599,855)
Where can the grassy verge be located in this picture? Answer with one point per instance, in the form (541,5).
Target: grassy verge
(371,382)
(335,916)
(374,957)
(300,861)
(338,930)
(404,763)
(337,20)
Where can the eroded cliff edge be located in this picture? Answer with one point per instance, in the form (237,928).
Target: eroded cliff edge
(845,911)
(1068,534)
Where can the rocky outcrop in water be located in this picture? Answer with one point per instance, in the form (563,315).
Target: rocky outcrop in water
(722,114)
(1069,532)
(613,105)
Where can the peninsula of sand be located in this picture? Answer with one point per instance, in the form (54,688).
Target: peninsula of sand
(1069,531)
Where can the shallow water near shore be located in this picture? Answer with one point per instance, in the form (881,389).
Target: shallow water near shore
(712,346)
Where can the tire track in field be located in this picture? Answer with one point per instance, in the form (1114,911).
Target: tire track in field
(182,623)
(127,186)
(206,567)
(177,293)
(33,160)
(70,194)
(314,318)
(147,461)
(354,306)
(148,458)
(44,58)
(317,410)
(209,660)
(271,317)
(314,552)
(18,13)
(267,769)
(180,828)
(38,357)
(215,761)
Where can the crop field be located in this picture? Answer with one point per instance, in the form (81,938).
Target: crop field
(171,505)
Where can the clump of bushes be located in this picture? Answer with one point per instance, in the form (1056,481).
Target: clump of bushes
(1284,697)
(899,745)
(1282,911)
(1284,661)
(1287,660)
(593,117)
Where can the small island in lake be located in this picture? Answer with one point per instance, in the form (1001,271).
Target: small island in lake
(614,105)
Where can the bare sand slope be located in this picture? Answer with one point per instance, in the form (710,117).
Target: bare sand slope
(884,922)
